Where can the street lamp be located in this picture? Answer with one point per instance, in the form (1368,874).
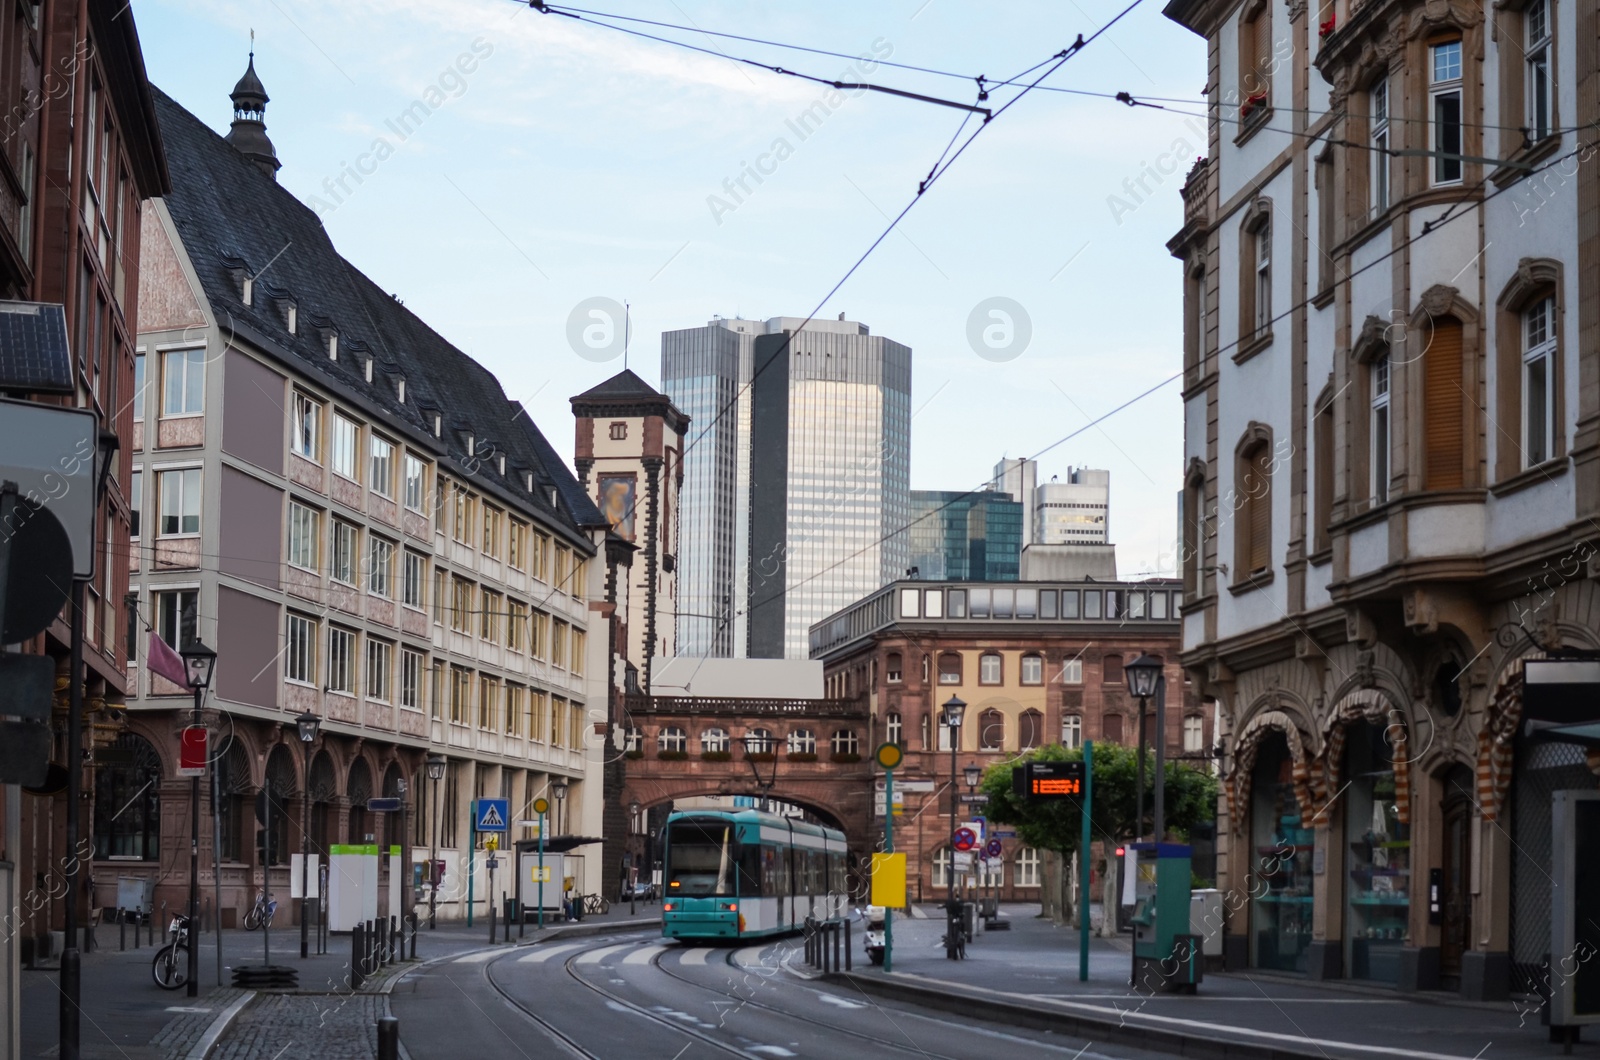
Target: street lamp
(633,830)
(198,662)
(558,788)
(436,766)
(307,725)
(955,708)
(1145,680)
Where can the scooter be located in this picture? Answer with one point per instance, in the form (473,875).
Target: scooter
(873,920)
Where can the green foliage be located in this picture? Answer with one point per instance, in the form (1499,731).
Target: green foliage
(1191,797)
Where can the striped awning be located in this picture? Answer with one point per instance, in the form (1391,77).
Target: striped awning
(1369,704)
(1246,747)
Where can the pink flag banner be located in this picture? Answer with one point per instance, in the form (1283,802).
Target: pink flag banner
(164,661)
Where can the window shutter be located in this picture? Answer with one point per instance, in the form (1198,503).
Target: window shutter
(1263,47)
(1260,485)
(1444,431)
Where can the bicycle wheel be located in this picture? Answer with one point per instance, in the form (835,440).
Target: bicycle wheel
(170,969)
(252,919)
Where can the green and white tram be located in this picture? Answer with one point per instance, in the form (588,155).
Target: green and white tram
(747,874)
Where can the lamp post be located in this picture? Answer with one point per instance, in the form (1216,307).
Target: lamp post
(198,662)
(955,708)
(633,830)
(436,766)
(558,788)
(972,772)
(307,725)
(1145,680)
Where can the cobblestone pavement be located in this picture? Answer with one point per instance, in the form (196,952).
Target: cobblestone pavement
(181,1035)
(305,1026)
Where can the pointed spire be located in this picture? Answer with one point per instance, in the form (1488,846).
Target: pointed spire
(249,132)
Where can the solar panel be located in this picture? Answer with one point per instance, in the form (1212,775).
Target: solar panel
(34,355)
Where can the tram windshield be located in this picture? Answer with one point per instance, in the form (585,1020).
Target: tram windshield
(700,859)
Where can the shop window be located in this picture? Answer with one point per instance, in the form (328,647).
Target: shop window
(1378,890)
(127,808)
(1280,916)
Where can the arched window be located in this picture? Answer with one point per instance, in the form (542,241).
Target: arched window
(846,743)
(894,728)
(359,790)
(324,789)
(1255,278)
(281,786)
(1027,867)
(1444,419)
(1030,730)
(234,782)
(991,730)
(759,742)
(672,740)
(1528,360)
(991,872)
(1111,727)
(1111,670)
(990,669)
(1033,670)
(941,867)
(802,742)
(633,739)
(949,668)
(127,802)
(714,741)
(1251,503)
(893,667)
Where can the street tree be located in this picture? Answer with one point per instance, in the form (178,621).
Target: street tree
(1056,824)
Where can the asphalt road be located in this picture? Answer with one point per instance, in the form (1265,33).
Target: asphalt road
(639,997)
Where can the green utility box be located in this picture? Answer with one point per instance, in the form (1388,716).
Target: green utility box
(1166,956)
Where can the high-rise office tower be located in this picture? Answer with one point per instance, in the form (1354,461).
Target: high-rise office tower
(797,477)
(955,535)
(1074,511)
(1020,478)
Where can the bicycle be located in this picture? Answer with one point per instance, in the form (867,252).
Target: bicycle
(261,913)
(595,905)
(955,936)
(170,968)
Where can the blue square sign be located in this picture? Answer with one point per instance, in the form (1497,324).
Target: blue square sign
(490,815)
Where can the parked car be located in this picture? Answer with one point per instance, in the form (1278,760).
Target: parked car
(639,890)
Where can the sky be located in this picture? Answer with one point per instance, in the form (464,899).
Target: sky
(506,172)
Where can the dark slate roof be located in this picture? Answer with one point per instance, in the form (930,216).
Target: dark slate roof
(624,386)
(234,221)
(250,86)
(625,393)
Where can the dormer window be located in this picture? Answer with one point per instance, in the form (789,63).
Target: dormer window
(247,291)
(527,481)
(333,345)
(293,318)
(368,369)
(400,388)
(502,463)
(438,425)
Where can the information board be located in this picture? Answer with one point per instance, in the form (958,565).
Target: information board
(1054,780)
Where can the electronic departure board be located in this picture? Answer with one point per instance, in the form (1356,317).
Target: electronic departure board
(1053,780)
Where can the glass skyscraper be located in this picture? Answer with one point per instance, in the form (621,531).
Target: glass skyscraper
(796,478)
(973,535)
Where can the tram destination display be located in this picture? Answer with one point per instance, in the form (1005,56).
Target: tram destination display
(1048,780)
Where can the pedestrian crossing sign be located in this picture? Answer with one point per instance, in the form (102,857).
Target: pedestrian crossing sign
(489,815)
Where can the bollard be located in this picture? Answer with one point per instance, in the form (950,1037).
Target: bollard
(388,1038)
(397,946)
(415,923)
(122,930)
(492,925)
(847,959)
(357,960)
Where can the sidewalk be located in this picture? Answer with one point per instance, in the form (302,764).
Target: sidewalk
(127,1017)
(1030,974)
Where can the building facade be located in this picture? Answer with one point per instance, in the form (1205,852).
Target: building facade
(797,475)
(1035,664)
(363,526)
(1393,470)
(958,535)
(1073,511)
(1019,477)
(82,156)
